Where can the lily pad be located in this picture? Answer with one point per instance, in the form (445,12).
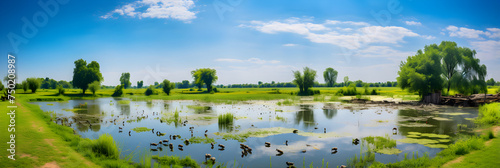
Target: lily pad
(414,133)
(444,140)
(436,146)
(389,151)
(441,119)
(454,114)
(413,136)
(435,136)
(418,141)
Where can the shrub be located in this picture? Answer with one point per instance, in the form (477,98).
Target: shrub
(348,91)
(149,91)
(94,86)
(118,91)
(60,90)
(167,86)
(374,92)
(105,146)
(489,114)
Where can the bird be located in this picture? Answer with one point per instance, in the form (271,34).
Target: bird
(289,163)
(286,142)
(295,131)
(304,151)
(268,144)
(334,149)
(343,166)
(206,131)
(212,145)
(222,146)
(207,156)
(279,151)
(165,140)
(153,144)
(212,159)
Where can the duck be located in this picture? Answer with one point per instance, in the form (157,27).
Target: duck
(268,144)
(279,151)
(153,144)
(207,156)
(295,131)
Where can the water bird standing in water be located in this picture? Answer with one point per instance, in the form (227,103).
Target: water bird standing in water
(212,159)
(394,130)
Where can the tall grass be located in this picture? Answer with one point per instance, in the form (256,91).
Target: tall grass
(489,114)
(226,119)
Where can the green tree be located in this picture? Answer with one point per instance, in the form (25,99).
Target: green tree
(205,75)
(149,90)
(1,86)
(118,91)
(330,76)
(422,72)
(64,84)
(451,60)
(125,80)
(491,82)
(304,81)
(185,84)
(25,86)
(140,84)
(346,80)
(33,84)
(84,74)
(94,86)
(471,78)
(60,89)
(168,86)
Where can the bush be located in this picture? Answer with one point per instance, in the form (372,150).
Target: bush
(489,114)
(348,91)
(60,90)
(118,91)
(374,92)
(94,86)
(149,91)
(167,86)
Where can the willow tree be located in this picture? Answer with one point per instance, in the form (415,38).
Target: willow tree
(304,81)
(205,76)
(422,72)
(330,76)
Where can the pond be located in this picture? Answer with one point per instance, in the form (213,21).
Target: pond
(320,127)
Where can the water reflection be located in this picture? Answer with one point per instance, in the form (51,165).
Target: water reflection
(330,113)
(305,115)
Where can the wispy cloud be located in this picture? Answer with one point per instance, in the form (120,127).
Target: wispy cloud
(354,35)
(413,23)
(289,45)
(250,60)
(487,50)
(161,9)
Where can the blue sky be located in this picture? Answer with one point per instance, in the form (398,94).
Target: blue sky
(245,41)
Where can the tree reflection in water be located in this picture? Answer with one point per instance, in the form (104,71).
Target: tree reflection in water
(305,115)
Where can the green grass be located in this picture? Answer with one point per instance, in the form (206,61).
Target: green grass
(176,161)
(483,158)
(489,114)
(104,146)
(384,145)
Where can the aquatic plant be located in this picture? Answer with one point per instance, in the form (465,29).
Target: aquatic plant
(384,145)
(141,129)
(226,119)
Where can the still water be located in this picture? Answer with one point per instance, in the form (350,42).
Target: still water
(320,126)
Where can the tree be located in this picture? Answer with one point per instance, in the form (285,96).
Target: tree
(304,81)
(471,76)
(60,89)
(64,84)
(205,75)
(94,86)
(84,74)
(33,84)
(185,84)
(118,91)
(451,59)
(25,86)
(422,72)
(149,90)
(346,80)
(167,86)
(140,84)
(1,86)
(330,76)
(491,82)
(125,80)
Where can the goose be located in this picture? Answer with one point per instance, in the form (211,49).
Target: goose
(304,151)
(289,163)
(120,128)
(286,142)
(222,146)
(295,131)
(153,144)
(212,159)
(129,133)
(334,149)
(206,131)
(207,156)
(180,146)
(279,151)
(268,144)
(165,140)
(186,141)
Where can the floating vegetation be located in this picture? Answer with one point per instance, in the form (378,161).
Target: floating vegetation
(414,124)
(382,121)
(171,117)
(383,145)
(286,102)
(74,109)
(264,132)
(452,114)
(205,140)
(50,104)
(414,133)
(427,139)
(141,129)
(124,102)
(283,119)
(226,119)
(441,119)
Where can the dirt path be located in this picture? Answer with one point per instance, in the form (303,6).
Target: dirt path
(495,130)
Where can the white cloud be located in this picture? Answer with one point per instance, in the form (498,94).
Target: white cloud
(413,23)
(466,32)
(250,60)
(383,51)
(428,37)
(289,45)
(487,50)
(162,9)
(359,33)
(495,32)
